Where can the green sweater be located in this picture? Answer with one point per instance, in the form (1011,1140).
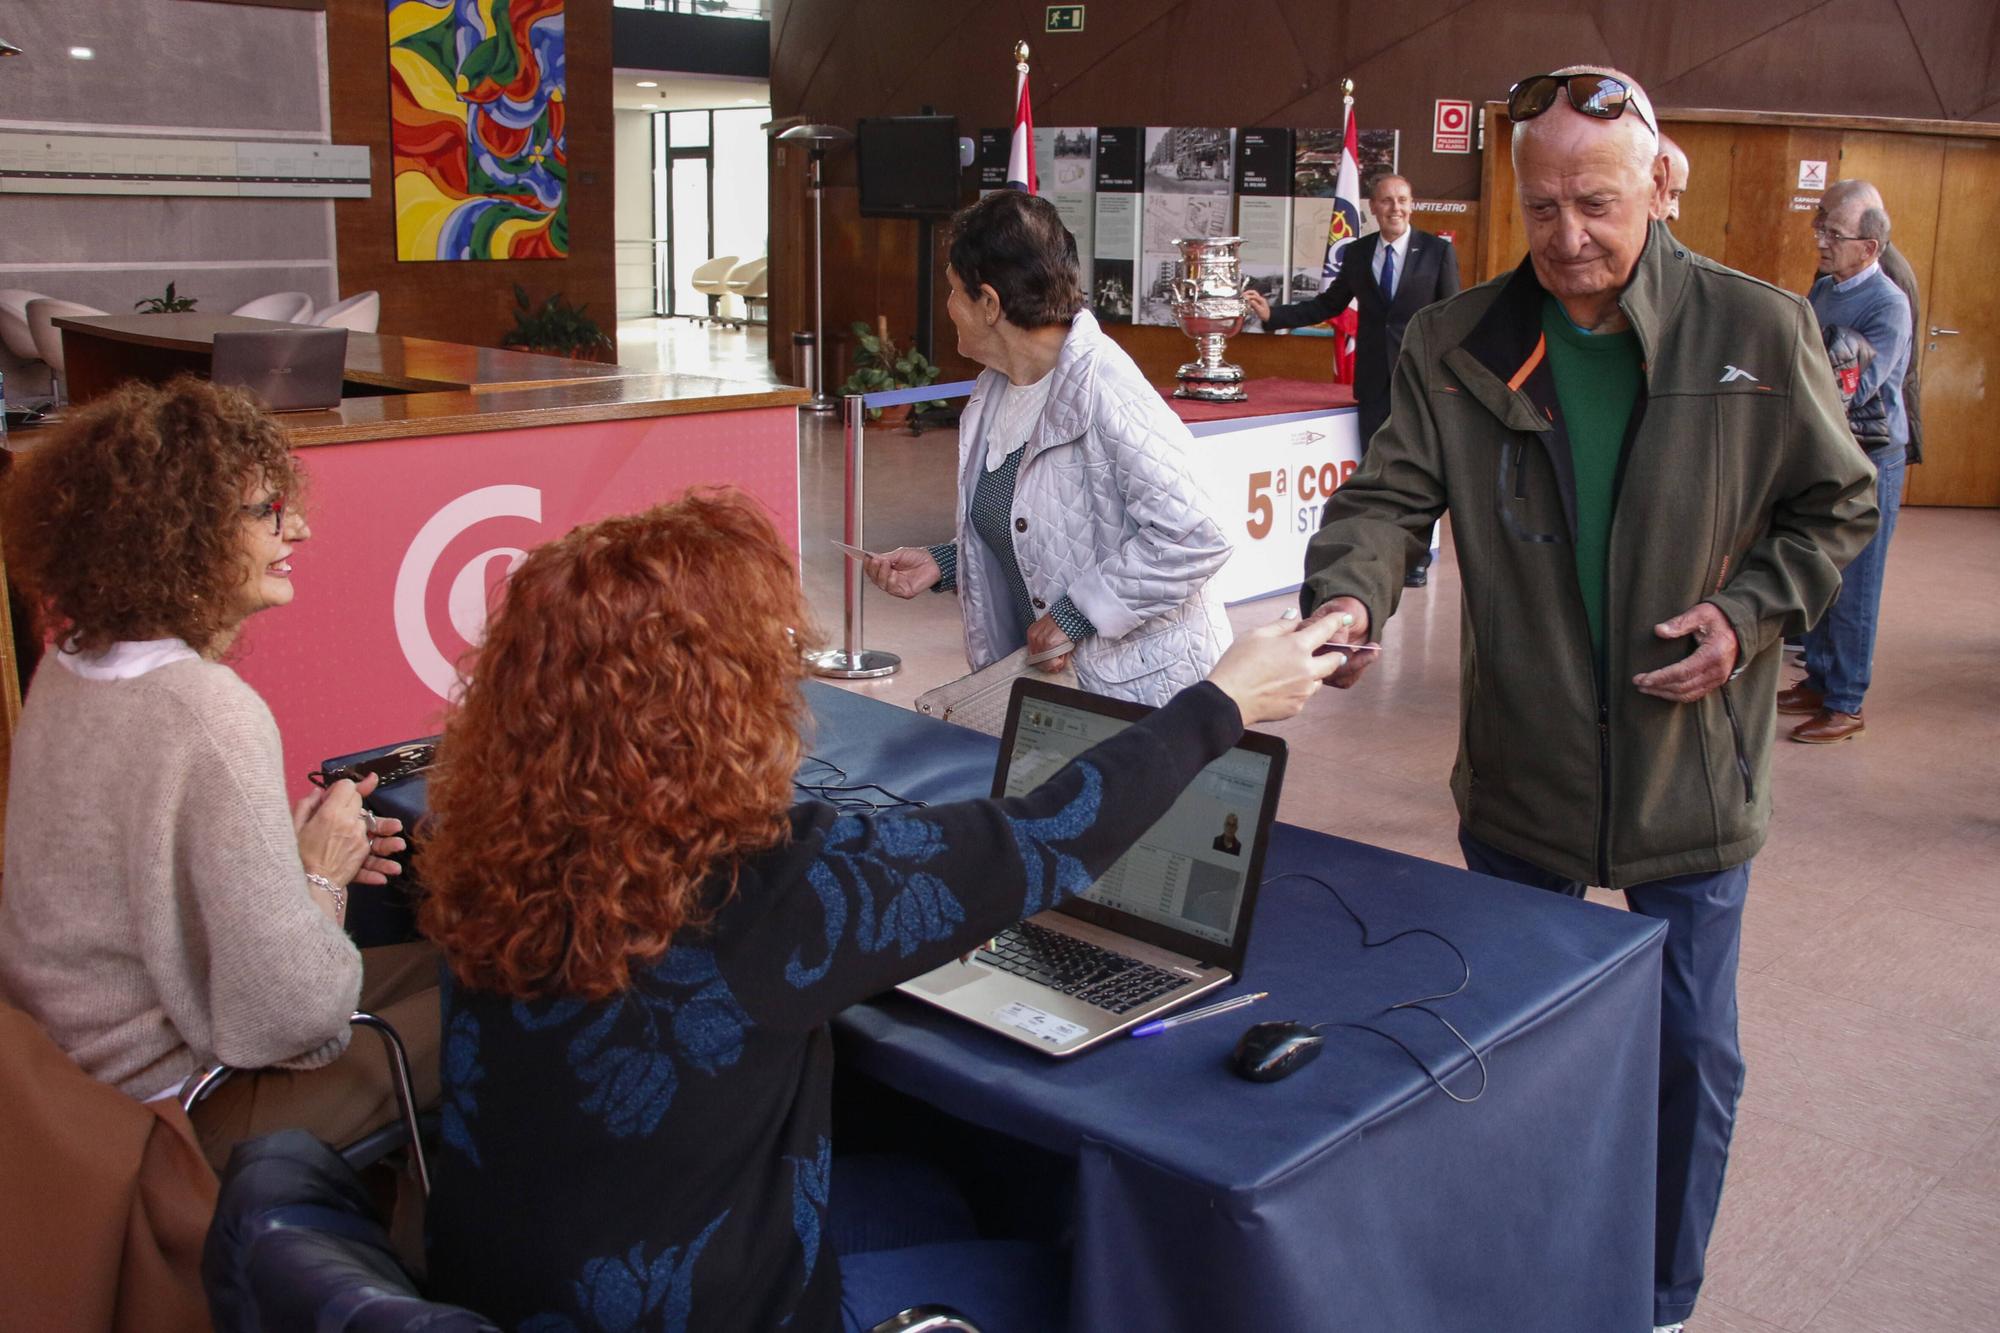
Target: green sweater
(1597,381)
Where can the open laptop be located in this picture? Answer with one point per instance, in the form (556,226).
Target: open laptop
(1169,921)
(289,370)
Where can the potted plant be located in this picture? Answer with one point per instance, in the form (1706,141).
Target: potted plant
(880,364)
(169,304)
(556,328)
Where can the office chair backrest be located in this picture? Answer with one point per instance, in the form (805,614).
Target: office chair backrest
(295,1245)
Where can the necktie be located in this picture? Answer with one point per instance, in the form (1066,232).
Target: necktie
(1389,273)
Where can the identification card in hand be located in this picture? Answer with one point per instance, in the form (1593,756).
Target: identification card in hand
(857,552)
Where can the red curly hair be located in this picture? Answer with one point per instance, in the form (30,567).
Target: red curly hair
(127,523)
(627,732)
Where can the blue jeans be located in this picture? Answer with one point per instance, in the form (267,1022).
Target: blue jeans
(1840,650)
(1701,1062)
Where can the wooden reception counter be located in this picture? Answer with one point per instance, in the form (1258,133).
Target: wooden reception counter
(399,388)
(441,467)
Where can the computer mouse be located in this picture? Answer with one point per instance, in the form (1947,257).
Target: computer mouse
(1269,1051)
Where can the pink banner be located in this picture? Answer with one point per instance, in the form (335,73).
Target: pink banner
(410,538)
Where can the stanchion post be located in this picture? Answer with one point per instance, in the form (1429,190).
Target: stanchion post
(851,661)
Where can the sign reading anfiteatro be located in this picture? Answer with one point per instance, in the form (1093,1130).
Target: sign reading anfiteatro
(1451,127)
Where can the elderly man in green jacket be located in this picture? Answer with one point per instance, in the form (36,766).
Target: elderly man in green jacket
(1651,482)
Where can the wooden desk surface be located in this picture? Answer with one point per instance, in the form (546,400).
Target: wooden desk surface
(439,388)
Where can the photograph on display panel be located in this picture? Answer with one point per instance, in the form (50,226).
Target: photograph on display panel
(480,156)
(1188,160)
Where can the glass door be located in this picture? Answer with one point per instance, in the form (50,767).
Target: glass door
(710,182)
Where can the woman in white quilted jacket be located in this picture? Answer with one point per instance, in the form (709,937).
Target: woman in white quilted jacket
(1079,520)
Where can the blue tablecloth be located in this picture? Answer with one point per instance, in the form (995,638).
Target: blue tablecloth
(1353,1195)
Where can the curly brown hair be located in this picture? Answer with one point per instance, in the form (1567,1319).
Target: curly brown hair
(127,522)
(628,731)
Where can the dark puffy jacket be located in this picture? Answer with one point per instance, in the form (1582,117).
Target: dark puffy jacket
(1849,354)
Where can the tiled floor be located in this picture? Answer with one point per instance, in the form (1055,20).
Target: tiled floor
(682,344)
(1864,1192)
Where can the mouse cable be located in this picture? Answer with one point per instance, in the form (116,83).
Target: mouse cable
(1421,1002)
(846,796)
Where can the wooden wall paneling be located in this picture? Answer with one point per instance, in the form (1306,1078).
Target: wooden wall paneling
(471,301)
(1503,235)
(1704,221)
(1766,238)
(1961,466)
(1909,171)
(1464,228)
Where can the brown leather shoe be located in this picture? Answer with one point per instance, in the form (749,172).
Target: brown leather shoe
(1827,727)
(1799,699)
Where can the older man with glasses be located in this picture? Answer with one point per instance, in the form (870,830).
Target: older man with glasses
(1854,292)
(1650,481)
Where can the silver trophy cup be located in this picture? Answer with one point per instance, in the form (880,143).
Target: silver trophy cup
(1209,306)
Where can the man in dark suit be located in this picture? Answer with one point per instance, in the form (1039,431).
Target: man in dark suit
(1393,273)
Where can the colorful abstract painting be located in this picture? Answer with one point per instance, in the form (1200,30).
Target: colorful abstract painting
(476,95)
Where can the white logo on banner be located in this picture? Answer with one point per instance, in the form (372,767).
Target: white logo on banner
(465,603)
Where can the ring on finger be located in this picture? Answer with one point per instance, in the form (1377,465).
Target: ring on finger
(368,817)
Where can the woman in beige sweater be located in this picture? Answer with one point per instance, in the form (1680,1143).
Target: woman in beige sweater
(162,909)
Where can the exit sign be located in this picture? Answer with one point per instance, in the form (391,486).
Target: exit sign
(1064,18)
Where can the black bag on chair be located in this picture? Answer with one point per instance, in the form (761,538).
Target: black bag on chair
(386,915)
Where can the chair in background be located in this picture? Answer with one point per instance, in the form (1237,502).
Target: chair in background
(751,283)
(710,280)
(360,312)
(370,1147)
(284,307)
(14,331)
(42,315)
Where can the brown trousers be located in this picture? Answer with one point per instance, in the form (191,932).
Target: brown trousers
(341,1101)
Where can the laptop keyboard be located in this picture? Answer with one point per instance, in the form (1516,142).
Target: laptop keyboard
(1075,967)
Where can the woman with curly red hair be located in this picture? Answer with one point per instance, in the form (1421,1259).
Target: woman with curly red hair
(163,910)
(648,938)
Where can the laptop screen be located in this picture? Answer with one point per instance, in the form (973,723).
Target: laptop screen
(1188,883)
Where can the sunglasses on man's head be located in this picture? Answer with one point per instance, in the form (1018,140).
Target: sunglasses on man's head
(1599,95)
(272,509)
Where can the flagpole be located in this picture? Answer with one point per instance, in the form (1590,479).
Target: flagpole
(1021,149)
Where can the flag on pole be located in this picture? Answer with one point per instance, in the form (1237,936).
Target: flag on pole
(1341,232)
(1021,157)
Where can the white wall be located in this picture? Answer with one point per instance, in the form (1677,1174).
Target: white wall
(174,68)
(632,210)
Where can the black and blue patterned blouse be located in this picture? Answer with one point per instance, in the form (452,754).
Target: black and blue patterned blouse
(660,1160)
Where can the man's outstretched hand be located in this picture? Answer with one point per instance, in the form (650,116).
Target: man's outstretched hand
(1351,635)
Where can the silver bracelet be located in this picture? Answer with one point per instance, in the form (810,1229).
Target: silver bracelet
(338,893)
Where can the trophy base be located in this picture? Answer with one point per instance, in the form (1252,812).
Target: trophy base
(1211,384)
(1211,393)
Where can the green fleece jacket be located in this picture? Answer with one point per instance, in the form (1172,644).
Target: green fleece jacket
(1740,486)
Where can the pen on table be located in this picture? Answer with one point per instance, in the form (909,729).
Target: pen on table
(1160,1025)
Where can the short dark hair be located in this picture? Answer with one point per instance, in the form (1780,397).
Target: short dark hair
(1017,244)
